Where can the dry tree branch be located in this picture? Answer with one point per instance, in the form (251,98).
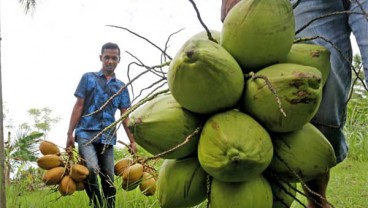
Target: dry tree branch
(163,58)
(202,23)
(152,69)
(149,87)
(362,9)
(303,183)
(141,38)
(126,114)
(327,15)
(186,140)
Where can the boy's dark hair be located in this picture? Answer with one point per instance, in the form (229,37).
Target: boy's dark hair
(110,45)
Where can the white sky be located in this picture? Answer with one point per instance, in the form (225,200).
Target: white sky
(45,54)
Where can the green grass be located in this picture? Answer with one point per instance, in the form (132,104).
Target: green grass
(348,188)
(348,185)
(50,198)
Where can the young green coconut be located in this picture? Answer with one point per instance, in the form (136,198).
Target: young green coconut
(283,97)
(161,124)
(310,55)
(255,193)
(258,33)
(233,147)
(301,155)
(182,183)
(204,78)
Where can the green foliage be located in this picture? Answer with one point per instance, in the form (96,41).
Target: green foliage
(20,151)
(356,129)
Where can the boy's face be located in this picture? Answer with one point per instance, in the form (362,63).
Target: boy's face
(110,59)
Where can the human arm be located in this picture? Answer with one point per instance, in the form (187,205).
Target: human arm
(226,7)
(132,145)
(74,119)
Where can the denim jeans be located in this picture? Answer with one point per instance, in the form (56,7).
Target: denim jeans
(331,116)
(102,165)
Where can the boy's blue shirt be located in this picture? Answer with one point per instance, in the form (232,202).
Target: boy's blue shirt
(96,90)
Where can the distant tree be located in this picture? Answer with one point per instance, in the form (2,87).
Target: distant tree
(43,120)
(21,150)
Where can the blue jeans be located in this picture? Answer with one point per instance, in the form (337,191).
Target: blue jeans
(102,165)
(331,116)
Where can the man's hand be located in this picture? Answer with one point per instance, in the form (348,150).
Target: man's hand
(132,147)
(226,7)
(70,142)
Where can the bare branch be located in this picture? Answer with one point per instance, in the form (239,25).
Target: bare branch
(141,38)
(202,23)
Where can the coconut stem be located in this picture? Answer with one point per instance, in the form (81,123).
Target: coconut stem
(273,90)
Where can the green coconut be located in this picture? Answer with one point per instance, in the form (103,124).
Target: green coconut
(283,193)
(299,89)
(233,147)
(204,78)
(310,55)
(301,155)
(253,193)
(204,36)
(259,33)
(182,183)
(161,124)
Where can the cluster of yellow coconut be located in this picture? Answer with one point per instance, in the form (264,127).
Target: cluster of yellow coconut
(134,174)
(66,174)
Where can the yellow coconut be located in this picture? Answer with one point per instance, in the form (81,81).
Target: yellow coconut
(148,184)
(67,186)
(47,147)
(78,172)
(127,186)
(53,176)
(80,186)
(133,173)
(48,162)
(122,165)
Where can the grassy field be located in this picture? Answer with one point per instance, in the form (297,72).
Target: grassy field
(348,188)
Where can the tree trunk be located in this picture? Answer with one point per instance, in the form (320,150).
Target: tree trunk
(2,151)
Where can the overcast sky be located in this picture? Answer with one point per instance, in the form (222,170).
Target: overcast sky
(45,54)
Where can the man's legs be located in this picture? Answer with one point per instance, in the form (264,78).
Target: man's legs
(316,191)
(106,162)
(89,153)
(359,27)
(330,117)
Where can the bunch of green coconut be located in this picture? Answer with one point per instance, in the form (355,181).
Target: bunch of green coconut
(236,120)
